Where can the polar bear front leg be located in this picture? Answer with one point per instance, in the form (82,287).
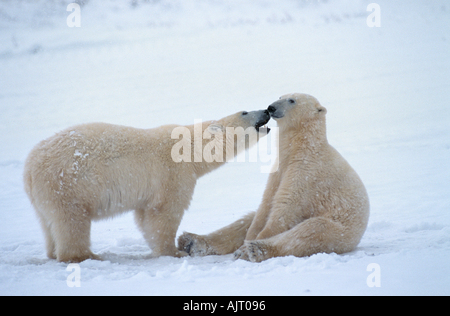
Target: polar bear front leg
(279,221)
(262,215)
(159,229)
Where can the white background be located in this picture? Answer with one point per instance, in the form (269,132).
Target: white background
(171,61)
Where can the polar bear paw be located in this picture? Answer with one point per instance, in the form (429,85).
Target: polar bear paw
(194,245)
(254,251)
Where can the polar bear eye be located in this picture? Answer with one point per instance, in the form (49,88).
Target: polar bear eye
(244,113)
(292,101)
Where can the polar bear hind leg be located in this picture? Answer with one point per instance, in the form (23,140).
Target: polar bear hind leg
(220,242)
(49,241)
(71,229)
(314,235)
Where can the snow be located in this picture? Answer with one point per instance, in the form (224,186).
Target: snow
(148,63)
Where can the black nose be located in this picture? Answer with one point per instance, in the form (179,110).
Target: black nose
(266,112)
(271,109)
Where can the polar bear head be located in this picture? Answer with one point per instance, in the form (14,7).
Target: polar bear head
(296,106)
(238,132)
(218,140)
(244,119)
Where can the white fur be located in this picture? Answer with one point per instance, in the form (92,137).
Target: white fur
(95,171)
(315,202)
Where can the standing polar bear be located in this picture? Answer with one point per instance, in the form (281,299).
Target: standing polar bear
(95,171)
(315,202)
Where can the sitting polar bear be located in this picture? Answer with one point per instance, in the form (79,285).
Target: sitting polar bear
(98,170)
(315,202)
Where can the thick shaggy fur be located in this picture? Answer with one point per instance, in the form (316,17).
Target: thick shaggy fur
(314,203)
(98,170)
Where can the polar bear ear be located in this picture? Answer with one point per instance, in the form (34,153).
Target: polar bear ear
(215,128)
(322,110)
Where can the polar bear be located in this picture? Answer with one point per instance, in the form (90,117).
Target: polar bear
(96,171)
(315,202)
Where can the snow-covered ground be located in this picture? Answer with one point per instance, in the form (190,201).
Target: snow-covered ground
(148,63)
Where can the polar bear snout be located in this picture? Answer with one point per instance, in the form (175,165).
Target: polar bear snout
(256,119)
(263,117)
(275,110)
